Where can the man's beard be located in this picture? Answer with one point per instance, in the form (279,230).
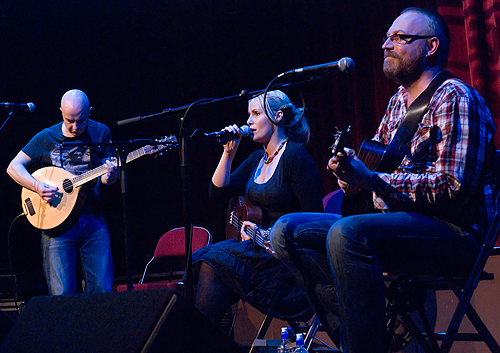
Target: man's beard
(404,72)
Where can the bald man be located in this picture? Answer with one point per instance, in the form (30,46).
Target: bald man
(88,235)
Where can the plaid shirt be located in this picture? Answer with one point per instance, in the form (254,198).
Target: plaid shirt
(443,176)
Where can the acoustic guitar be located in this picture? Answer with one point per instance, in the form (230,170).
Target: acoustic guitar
(68,200)
(376,157)
(356,200)
(383,158)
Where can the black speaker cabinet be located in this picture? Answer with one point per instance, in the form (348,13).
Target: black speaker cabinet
(131,321)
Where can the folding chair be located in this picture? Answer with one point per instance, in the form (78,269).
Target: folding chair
(331,204)
(171,251)
(407,294)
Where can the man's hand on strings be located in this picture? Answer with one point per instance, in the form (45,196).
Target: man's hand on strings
(45,191)
(112,174)
(355,174)
(343,185)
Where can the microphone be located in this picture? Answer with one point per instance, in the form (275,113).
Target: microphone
(344,65)
(29,107)
(224,135)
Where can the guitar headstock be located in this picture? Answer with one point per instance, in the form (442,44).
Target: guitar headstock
(166,142)
(339,144)
(340,139)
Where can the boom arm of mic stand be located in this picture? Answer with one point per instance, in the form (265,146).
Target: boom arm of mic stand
(180,110)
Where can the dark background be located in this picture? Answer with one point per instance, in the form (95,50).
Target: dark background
(135,58)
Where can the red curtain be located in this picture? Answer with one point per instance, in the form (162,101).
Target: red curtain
(475,47)
(475,50)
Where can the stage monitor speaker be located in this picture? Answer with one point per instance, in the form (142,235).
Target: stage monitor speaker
(6,323)
(156,320)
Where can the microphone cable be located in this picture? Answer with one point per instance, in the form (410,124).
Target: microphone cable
(11,269)
(267,112)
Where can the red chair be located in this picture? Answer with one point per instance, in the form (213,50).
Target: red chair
(171,249)
(332,203)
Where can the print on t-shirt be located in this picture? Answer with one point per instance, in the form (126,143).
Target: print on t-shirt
(75,160)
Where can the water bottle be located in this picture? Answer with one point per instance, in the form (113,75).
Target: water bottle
(285,346)
(299,343)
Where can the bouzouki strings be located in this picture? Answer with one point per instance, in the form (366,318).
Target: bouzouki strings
(238,223)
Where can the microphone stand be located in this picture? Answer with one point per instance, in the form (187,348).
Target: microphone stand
(183,157)
(188,216)
(122,158)
(122,149)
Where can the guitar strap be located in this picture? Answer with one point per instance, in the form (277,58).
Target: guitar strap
(400,144)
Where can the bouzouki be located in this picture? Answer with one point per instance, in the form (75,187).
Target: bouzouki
(68,200)
(241,209)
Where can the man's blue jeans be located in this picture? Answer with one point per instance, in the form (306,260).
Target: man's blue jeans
(89,238)
(340,263)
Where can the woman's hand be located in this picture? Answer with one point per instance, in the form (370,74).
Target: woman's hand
(222,174)
(231,146)
(247,230)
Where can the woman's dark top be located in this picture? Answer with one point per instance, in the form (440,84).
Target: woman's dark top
(252,273)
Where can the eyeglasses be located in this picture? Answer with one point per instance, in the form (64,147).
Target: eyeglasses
(401,39)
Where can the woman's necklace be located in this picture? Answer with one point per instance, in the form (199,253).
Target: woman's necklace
(268,159)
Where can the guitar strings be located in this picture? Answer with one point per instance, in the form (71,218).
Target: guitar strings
(236,221)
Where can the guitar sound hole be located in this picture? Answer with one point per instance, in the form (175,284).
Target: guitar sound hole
(67,186)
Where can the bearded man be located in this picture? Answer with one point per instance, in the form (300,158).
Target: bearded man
(428,212)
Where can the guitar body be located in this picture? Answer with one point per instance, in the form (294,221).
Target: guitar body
(240,210)
(356,200)
(64,206)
